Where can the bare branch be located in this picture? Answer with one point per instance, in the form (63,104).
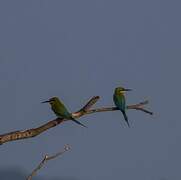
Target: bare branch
(90,103)
(45,159)
(29,133)
(136,107)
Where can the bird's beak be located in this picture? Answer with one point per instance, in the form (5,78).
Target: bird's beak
(128,89)
(45,102)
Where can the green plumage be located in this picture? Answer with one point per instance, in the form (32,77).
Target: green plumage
(60,110)
(120,101)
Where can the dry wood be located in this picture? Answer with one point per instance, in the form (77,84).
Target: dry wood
(29,133)
(45,159)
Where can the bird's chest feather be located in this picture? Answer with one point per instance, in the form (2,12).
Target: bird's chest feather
(119,100)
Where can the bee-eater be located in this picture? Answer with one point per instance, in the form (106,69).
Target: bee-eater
(60,110)
(120,101)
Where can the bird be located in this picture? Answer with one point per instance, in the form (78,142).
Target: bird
(120,101)
(60,110)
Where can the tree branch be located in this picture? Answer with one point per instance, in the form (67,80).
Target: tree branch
(29,133)
(45,159)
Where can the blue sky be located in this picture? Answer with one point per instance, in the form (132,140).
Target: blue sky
(78,49)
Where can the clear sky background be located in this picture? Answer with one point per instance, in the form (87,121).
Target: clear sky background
(78,49)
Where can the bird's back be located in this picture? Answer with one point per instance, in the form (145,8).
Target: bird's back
(60,110)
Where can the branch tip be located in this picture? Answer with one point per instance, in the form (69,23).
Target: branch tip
(67,147)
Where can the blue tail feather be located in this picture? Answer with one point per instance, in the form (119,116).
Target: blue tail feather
(74,120)
(126,118)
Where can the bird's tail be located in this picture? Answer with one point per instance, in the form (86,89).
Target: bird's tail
(126,118)
(74,120)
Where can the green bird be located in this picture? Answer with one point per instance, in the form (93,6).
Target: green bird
(60,110)
(120,101)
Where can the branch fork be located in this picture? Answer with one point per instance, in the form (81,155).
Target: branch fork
(46,159)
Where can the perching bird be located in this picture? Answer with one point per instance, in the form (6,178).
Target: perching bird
(120,101)
(60,110)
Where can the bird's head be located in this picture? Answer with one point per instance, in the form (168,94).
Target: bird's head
(52,101)
(121,90)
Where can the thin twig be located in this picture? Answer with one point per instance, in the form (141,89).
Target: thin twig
(29,133)
(45,159)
